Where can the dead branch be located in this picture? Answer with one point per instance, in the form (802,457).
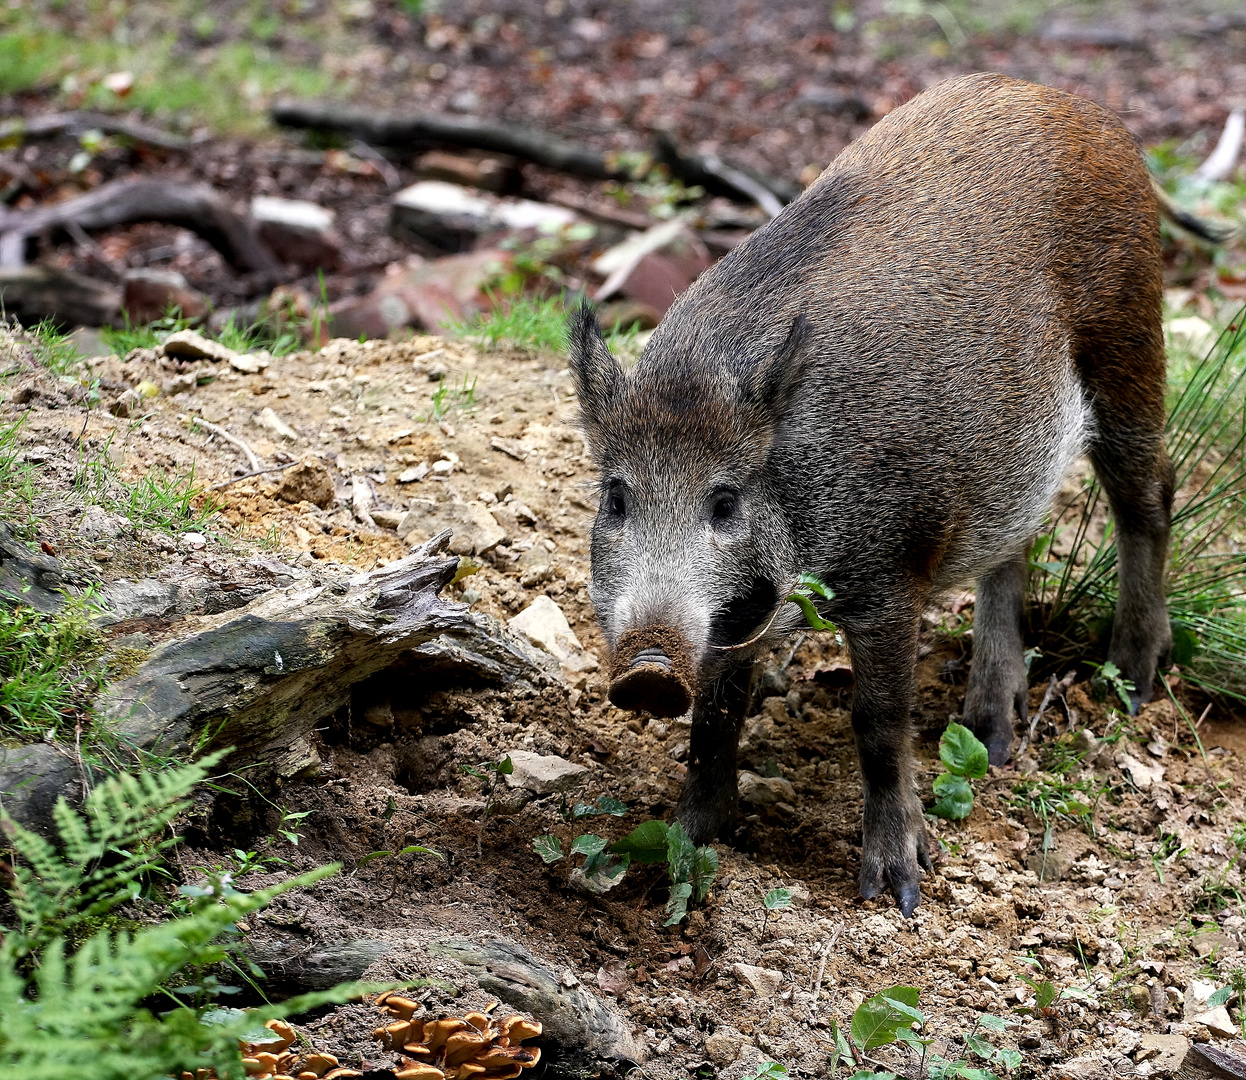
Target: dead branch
(256,466)
(720,177)
(75,123)
(420,129)
(193,206)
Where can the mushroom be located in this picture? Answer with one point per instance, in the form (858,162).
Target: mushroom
(420,1071)
(436,1033)
(518,1029)
(471,1048)
(401,1007)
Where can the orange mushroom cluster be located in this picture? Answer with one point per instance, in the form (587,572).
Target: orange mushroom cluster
(470,1048)
(272,1059)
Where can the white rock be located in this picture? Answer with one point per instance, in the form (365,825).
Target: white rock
(98,524)
(1191,331)
(764,981)
(297,213)
(544,624)
(272,422)
(250,363)
(1166,1053)
(765,790)
(192,541)
(192,345)
(476,531)
(543,774)
(414,474)
(1141,773)
(1217,1021)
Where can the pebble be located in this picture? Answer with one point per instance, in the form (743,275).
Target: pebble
(765,982)
(543,774)
(765,790)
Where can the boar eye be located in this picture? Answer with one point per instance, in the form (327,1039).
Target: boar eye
(614,504)
(725,506)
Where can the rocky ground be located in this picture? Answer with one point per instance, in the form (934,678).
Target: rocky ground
(1104,859)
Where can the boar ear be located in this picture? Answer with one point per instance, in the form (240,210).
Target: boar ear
(598,377)
(775,381)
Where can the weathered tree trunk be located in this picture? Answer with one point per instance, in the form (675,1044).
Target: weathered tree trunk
(35,293)
(258,679)
(75,123)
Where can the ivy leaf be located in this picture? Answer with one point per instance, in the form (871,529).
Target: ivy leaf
(588,844)
(962,752)
(1009,1059)
(992,1023)
(645,844)
(1220,997)
(877,1019)
(548,847)
(954,795)
(680,851)
(505,767)
(677,905)
(777,899)
(704,871)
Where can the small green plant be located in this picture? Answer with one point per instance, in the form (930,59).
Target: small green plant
(774,900)
(447,398)
(76,981)
(809,588)
(1224,887)
(602,806)
(892,1016)
(1109,681)
(50,667)
(768,1070)
(54,350)
(691,869)
(965,758)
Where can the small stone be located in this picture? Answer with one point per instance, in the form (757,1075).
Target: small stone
(544,623)
(1087,1067)
(308,481)
(192,345)
(764,982)
(544,774)
(1217,1021)
(298,232)
(192,541)
(98,524)
(765,790)
(387,519)
(1050,865)
(723,1047)
(1141,773)
(414,474)
(1140,999)
(475,530)
(272,422)
(444,467)
(1166,1052)
(250,363)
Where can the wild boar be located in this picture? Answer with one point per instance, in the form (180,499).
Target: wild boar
(885,387)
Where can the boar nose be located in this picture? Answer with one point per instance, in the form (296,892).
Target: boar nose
(652,678)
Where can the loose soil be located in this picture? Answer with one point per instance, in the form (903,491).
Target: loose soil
(1144,896)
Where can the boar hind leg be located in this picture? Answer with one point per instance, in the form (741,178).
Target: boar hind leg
(1133,467)
(707,805)
(894,847)
(997,681)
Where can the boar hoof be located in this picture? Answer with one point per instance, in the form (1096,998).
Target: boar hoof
(894,862)
(651,686)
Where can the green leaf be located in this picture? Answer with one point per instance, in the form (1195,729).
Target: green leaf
(778,899)
(1044,992)
(1220,997)
(645,844)
(505,767)
(588,844)
(677,905)
(1009,1059)
(870,1074)
(704,871)
(1184,645)
(548,847)
(962,752)
(992,1023)
(680,851)
(954,797)
(603,805)
(815,621)
(978,1045)
(415,849)
(372,855)
(811,583)
(876,1020)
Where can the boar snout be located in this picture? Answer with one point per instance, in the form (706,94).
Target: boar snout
(652,672)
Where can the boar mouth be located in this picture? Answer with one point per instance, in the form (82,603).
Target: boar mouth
(652,672)
(744,614)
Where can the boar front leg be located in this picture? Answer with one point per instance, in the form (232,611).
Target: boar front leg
(998,681)
(707,805)
(894,847)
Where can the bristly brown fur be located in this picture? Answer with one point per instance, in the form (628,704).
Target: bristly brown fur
(883,387)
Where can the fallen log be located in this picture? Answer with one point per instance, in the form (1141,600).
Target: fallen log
(35,293)
(261,677)
(75,123)
(539,147)
(193,206)
(426,129)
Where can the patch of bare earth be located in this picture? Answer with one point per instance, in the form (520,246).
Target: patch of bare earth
(1126,916)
